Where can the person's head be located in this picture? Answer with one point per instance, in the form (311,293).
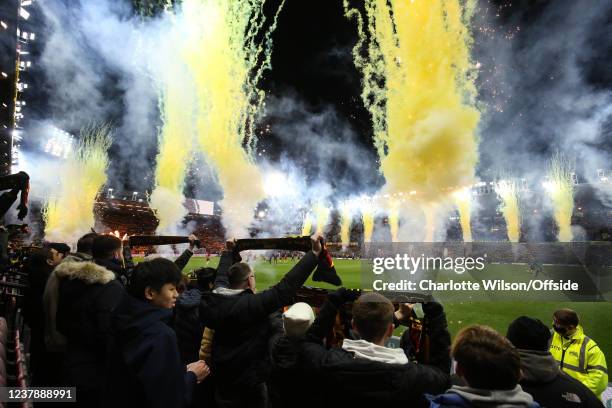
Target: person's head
(106,247)
(206,278)
(155,282)
(373,317)
(486,359)
(59,250)
(241,276)
(565,322)
(43,258)
(297,319)
(526,333)
(85,243)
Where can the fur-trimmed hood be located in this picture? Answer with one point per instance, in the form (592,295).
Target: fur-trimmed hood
(87,272)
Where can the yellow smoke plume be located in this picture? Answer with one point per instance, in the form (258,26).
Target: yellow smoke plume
(212,95)
(69,213)
(394,219)
(345,224)
(307,225)
(560,188)
(175,146)
(322,216)
(226,63)
(508,193)
(463,202)
(418,85)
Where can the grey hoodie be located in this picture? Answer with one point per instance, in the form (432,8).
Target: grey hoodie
(513,398)
(538,366)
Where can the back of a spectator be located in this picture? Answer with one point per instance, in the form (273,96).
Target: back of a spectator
(285,352)
(107,251)
(86,296)
(365,372)
(240,318)
(187,323)
(54,340)
(490,366)
(541,375)
(43,364)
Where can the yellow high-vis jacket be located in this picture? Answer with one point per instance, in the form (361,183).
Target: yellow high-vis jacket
(580,357)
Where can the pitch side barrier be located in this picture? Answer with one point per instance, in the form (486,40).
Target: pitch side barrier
(489,271)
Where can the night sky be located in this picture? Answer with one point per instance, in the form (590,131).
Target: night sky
(312,68)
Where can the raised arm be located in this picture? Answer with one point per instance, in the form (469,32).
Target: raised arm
(184,258)
(228,258)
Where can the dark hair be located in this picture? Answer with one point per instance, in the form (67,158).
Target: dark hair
(238,273)
(103,246)
(60,247)
(526,333)
(85,243)
(488,360)
(153,274)
(372,314)
(205,277)
(566,317)
(38,258)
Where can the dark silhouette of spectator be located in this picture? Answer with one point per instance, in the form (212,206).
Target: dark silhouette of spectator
(240,318)
(490,366)
(364,372)
(44,364)
(541,375)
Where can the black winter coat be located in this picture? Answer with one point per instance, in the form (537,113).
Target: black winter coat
(188,325)
(242,324)
(87,295)
(286,378)
(340,379)
(551,387)
(146,369)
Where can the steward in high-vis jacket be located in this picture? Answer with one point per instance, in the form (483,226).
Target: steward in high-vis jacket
(577,354)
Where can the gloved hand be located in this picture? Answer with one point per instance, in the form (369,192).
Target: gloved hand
(343,295)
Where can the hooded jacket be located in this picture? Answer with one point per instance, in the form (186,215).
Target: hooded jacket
(54,340)
(86,296)
(363,375)
(146,368)
(549,386)
(466,397)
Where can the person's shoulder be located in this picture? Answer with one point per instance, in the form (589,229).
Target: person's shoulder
(570,384)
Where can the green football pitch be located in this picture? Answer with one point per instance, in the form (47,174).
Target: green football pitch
(595,316)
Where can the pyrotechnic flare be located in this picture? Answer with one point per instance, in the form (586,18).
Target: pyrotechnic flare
(307,225)
(175,141)
(560,188)
(418,84)
(463,201)
(322,214)
(68,213)
(367,213)
(394,207)
(226,60)
(215,58)
(508,193)
(345,225)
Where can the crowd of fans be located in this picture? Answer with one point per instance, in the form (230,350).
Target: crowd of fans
(139,335)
